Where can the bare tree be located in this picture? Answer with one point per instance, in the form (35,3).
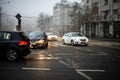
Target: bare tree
(76,17)
(43,22)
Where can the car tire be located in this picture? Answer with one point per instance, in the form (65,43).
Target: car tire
(46,45)
(63,42)
(12,55)
(72,43)
(86,44)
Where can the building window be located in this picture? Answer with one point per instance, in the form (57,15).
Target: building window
(115,1)
(87,1)
(115,11)
(106,2)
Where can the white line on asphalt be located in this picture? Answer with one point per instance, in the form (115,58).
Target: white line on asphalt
(67,54)
(91,70)
(63,63)
(84,75)
(43,69)
(100,53)
(89,50)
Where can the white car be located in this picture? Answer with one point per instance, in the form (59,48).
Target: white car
(75,38)
(52,37)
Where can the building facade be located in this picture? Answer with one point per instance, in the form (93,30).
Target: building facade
(109,11)
(61,19)
(103,18)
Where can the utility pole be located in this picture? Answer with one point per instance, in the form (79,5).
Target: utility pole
(18,27)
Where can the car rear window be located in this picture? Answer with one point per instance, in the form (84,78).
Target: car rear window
(23,36)
(5,36)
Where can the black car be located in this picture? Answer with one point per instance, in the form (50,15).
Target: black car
(38,39)
(14,45)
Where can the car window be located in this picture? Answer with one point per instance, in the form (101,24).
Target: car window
(24,36)
(36,34)
(5,36)
(76,34)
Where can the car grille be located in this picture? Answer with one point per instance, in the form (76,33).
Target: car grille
(82,39)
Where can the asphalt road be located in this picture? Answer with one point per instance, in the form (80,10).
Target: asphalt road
(98,61)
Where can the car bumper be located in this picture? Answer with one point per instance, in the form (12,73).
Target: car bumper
(80,43)
(36,45)
(25,51)
(52,39)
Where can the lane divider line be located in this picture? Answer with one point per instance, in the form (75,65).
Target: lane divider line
(42,69)
(84,75)
(83,70)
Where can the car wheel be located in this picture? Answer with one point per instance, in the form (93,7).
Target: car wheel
(72,43)
(63,42)
(86,44)
(11,55)
(46,45)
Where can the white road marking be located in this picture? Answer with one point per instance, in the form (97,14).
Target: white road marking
(43,69)
(63,63)
(90,70)
(100,53)
(80,71)
(48,58)
(89,50)
(68,54)
(84,75)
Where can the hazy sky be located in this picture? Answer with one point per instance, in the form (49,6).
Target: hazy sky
(30,8)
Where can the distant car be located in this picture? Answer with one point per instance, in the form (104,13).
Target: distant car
(27,33)
(14,45)
(52,37)
(74,38)
(38,39)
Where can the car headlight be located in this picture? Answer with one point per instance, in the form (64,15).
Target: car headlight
(87,40)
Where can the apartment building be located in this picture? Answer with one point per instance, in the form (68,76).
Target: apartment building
(109,11)
(61,19)
(103,19)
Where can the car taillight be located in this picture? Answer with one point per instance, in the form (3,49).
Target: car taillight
(23,42)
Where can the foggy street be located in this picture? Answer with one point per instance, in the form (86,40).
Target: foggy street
(59,39)
(65,62)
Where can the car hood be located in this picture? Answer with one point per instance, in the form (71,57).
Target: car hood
(52,36)
(79,37)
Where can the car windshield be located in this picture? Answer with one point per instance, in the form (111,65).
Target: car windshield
(36,34)
(77,35)
(50,34)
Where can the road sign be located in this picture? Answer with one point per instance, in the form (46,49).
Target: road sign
(18,16)
(18,27)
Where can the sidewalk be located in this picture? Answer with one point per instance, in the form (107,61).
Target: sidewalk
(105,42)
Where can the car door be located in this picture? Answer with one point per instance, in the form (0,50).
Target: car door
(1,41)
(4,39)
(65,37)
(69,38)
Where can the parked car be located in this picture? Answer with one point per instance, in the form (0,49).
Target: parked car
(14,45)
(74,38)
(38,39)
(52,37)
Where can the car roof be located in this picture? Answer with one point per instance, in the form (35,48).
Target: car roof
(11,31)
(71,32)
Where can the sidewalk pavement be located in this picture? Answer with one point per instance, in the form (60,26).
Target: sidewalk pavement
(105,42)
